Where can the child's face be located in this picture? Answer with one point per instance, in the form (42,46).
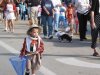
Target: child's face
(34,32)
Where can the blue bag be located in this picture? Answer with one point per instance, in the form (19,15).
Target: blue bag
(19,64)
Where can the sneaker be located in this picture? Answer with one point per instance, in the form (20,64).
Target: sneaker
(26,73)
(50,37)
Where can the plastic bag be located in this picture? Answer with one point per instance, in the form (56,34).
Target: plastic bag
(19,64)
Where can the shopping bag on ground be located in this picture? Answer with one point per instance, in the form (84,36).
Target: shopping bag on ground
(18,64)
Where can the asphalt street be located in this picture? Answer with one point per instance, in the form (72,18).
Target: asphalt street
(58,59)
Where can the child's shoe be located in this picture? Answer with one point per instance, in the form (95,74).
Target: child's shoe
(27,73)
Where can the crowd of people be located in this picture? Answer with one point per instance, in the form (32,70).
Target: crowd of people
(55,15)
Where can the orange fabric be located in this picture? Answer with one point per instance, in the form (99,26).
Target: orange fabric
(70,12)
(14,7)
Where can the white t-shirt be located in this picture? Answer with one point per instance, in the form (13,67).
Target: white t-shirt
(82,6)
(57,10)
(56,2)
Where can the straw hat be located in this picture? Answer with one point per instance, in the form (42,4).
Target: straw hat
(32,27)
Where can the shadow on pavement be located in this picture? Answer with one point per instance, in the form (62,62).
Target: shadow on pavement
(74,43)
(75,56)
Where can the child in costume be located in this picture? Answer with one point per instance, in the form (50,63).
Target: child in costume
(70,16)
(33,48)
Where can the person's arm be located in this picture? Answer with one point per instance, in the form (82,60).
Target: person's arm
(43,6)
(14,7)
(41,48)
(66,14)
(92,13)
(45,9)
(22,52)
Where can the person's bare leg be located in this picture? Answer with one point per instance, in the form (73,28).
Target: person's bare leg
(28,64)
(6,24)
(9,25)
(12,25)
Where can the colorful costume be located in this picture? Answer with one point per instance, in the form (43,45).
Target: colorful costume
(31,45)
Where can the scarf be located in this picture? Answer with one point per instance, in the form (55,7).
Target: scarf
(28,43)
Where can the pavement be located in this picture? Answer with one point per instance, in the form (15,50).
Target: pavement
(58,58)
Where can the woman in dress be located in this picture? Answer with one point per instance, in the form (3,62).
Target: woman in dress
(10,15)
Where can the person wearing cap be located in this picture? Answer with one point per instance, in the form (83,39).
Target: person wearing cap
(33,48)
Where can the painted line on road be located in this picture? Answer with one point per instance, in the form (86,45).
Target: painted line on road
(43,70)
(46,71)
(75,62)
(9,48)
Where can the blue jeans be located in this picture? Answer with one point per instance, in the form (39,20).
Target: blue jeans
(56,21)
(64,20)
(47,22)
(23,13)
(29,12)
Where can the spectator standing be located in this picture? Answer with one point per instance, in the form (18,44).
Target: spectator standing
(76,23)
(17,9)
(32,7)
(56,4)
(47,18)
(62,19)
(70,17)
(10,15)
(83,9)
(95,24)
(39,13)
(22,9)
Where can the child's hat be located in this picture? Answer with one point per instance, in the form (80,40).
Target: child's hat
(34,26)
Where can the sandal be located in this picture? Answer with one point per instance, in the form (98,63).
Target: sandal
(95,54)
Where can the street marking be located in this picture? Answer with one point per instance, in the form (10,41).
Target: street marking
(43,70)
(46,71)
(75,62)
(9,48)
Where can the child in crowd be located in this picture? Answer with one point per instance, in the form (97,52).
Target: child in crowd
(76,23)
(9,15)
(70,16)
(33,48)
(56,17)
(62,18)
